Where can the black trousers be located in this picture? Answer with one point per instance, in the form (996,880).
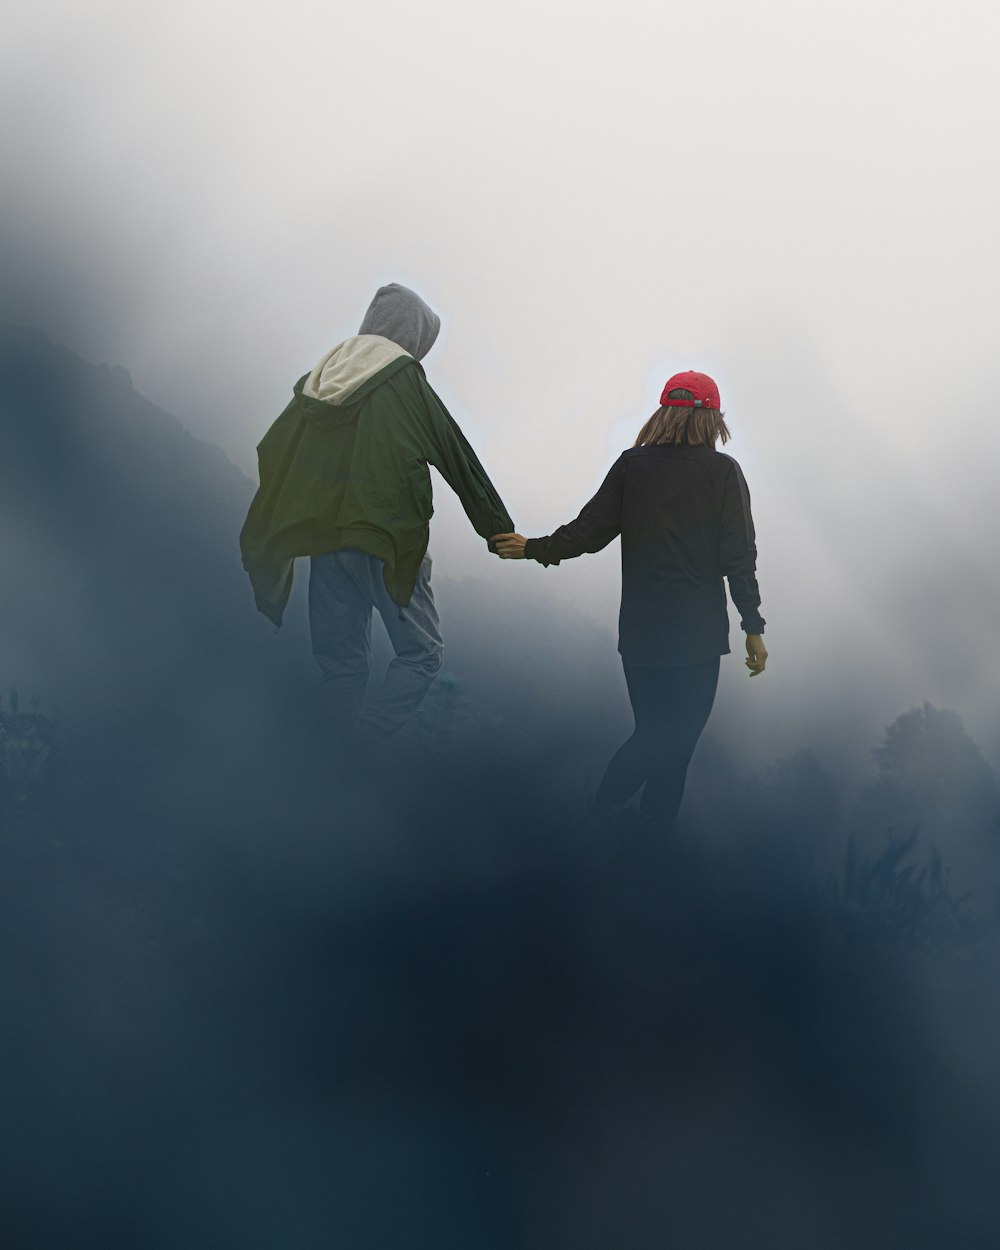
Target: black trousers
(671,707)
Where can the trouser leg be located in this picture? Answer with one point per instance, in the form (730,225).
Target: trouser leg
(340,626)
(671,707)
(629,766)
(415,634)
(685,705)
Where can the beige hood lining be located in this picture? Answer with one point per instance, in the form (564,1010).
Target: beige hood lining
(345,367)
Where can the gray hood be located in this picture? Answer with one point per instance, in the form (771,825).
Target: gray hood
(399,314)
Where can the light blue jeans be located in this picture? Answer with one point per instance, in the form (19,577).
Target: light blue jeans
(344,587)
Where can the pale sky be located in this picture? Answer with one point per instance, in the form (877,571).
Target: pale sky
(798,199)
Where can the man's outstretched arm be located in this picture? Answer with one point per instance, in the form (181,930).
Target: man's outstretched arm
(450,453)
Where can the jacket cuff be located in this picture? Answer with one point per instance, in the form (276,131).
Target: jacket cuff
(534,550)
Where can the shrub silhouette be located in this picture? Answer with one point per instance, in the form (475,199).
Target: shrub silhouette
(910,902)
(25,745)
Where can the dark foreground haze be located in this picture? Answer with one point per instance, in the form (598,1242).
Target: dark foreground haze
(256,995)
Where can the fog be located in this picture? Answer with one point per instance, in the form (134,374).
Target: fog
(250,989)
(798,202)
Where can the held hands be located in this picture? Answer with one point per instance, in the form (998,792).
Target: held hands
(756,654)
(509,546)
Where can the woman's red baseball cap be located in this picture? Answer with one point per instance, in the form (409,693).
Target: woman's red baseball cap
(701,386)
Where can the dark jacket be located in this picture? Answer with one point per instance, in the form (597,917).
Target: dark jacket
(683,514)
(346,467)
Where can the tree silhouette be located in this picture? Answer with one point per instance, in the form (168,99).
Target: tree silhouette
(932,778)
(927,753)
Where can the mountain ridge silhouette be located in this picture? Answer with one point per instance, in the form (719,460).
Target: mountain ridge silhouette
(122,566)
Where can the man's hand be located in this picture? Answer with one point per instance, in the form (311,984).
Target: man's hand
(509,546)
(756,654)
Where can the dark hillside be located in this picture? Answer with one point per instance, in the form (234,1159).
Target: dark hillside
(121,575)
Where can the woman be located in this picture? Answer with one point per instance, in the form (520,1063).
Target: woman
(683,511)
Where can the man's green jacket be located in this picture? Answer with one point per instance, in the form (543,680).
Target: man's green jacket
(345,466)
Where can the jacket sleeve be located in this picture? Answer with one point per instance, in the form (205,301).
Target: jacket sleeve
(450,453)
(738,550)
(598,523)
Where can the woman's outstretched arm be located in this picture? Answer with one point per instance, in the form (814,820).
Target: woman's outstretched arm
(599,522)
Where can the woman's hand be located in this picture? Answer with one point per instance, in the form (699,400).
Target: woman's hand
(756,654)
(509,546)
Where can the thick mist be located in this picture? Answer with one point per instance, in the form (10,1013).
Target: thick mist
(257,984)
(259,993)
(802,208)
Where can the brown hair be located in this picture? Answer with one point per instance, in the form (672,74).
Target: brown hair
(684,425)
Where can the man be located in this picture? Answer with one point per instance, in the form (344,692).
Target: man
(344,480)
